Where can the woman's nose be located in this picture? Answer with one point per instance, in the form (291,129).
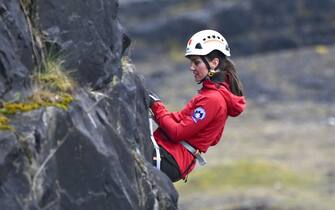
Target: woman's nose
(192,67)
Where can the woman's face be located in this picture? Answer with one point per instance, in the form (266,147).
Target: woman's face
(198,68)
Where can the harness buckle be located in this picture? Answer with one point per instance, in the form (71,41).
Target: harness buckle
(195,152)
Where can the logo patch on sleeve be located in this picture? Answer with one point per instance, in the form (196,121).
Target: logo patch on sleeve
(198,114)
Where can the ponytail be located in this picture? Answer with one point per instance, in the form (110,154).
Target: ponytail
(232,77)
(227,73)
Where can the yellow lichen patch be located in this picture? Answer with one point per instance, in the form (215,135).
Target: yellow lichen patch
(12,108)
(4,123)
(61,100)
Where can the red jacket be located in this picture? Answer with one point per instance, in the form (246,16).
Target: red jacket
(200,122)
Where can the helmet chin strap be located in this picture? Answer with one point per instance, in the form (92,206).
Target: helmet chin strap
(209,74)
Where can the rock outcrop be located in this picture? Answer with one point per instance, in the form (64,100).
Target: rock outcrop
(95,152)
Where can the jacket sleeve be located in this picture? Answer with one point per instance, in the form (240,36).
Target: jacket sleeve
(183,125)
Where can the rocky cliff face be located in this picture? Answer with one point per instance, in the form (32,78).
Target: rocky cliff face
(89,154)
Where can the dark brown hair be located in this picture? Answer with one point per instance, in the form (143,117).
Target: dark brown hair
(227,73)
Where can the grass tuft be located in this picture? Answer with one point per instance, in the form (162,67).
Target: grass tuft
(53,87)
(52,76)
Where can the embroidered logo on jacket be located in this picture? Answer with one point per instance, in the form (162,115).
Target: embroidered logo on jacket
(198,114)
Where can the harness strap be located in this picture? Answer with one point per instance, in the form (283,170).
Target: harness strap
(195,152)
(156,147)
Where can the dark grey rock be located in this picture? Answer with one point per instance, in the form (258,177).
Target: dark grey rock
(16,54)
(91,157)
(97,154)
(88,34)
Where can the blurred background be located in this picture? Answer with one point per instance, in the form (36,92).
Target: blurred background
(279,154)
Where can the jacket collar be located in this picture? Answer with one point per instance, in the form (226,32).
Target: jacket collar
(208,84)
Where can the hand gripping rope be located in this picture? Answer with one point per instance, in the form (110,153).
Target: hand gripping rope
(158,155)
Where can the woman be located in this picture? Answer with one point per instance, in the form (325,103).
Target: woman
(183,135)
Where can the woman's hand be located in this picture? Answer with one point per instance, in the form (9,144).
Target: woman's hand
(153,98)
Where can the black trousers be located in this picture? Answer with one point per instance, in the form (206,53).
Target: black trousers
(168,165)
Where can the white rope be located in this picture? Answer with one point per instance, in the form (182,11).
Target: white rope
(158,155)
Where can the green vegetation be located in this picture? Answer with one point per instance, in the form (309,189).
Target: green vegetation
(52,87)
(52,76)
(246,174)
(254,180)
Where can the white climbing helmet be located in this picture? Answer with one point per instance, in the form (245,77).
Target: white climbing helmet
(204,42)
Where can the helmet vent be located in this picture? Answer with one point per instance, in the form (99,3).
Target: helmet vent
(198,46)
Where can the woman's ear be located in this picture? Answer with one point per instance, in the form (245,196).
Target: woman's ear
(214,63)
